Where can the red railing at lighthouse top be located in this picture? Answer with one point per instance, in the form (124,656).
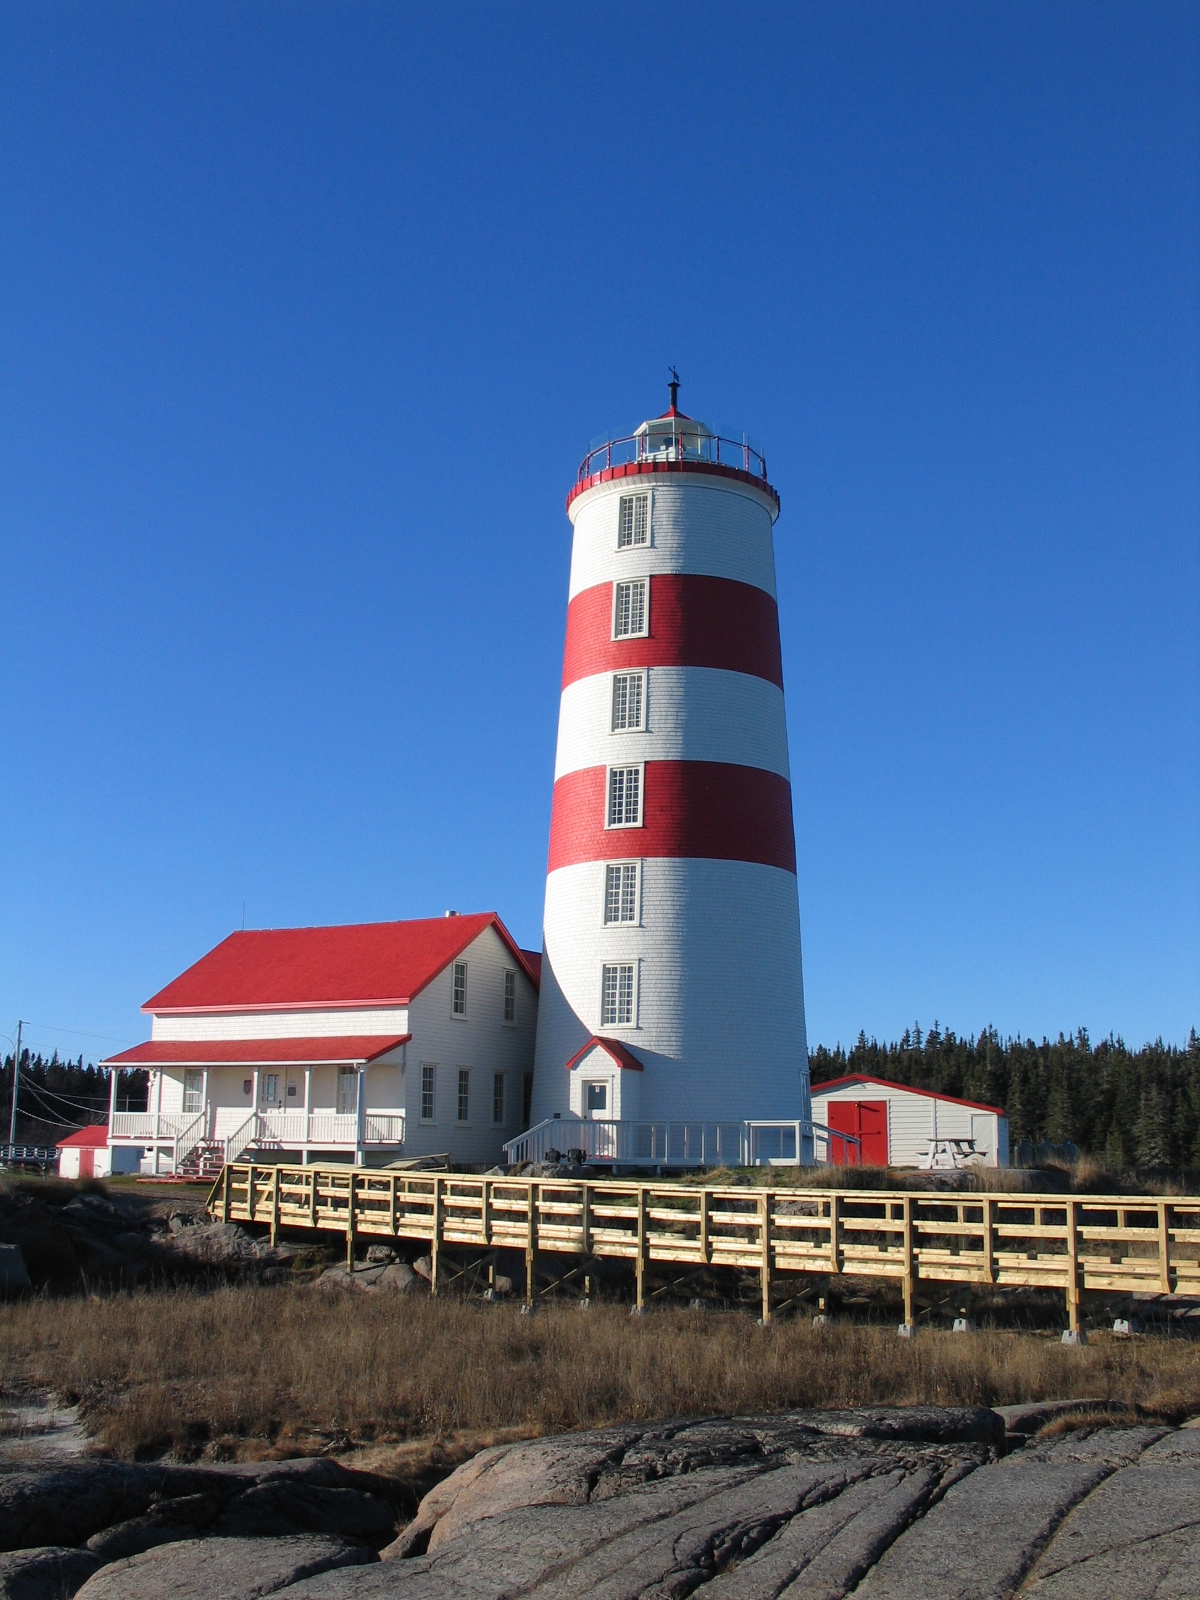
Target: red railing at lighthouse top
(680,444)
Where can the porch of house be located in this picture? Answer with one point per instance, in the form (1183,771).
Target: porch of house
(201,1116)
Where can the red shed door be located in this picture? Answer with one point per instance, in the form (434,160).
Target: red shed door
(87,1163)
(867,1121)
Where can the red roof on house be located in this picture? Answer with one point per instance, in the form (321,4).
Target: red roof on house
(533,960)
(257,1052)
(94,1138)
(906,1088)
(373,963)
(623,1057)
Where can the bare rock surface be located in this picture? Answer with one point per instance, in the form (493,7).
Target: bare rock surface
(885,1504)
(121,1507)
(53,1572)
(234,1569)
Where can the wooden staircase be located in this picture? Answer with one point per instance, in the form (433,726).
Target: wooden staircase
(204,1161)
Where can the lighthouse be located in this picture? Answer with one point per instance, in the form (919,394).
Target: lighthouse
(671,984)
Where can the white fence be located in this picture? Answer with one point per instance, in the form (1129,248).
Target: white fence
(685,1144)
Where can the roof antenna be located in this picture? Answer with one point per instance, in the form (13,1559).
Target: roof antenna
(673,386)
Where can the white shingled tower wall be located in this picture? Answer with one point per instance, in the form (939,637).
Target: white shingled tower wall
(672,924)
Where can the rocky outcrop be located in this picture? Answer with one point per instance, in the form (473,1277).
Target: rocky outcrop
(917,1503)
(233,1569)
(48,1573)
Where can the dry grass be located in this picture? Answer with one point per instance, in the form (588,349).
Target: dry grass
(289,1370)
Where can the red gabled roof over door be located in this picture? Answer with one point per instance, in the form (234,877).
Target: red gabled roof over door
(283,969)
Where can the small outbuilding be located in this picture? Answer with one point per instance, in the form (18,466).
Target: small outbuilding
(86,1154)
(898,1126)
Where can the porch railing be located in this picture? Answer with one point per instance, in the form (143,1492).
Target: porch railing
(686,1144)
(183,1131)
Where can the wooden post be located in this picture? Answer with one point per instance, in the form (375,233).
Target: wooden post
(835,1233)
(910,1265)
(586,1221)
(350,1225)
(487,1213)
(704,1226)
(1164,1249)
(226,1176)
(1073,1293)
(989,1244)
(312,1194)
(435,1240)
(764,1221)
(530,1210)
(275,1205)
(641,1247)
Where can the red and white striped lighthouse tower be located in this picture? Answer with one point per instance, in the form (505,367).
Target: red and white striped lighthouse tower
(671,976)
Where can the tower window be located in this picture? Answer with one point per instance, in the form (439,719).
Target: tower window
(629,695)
(464,1094)
(633,526)
(629,609)
(458,994)
(510,997)
(620,891)
(616,1003)
(428,1085)
(624,797)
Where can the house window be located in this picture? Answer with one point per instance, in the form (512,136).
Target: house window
(633,526)
(616,1003)
(193,1089)
(510,997)
(428,1085)
(458,1002)
(629,609)
(498,1099)
(595,1097)
(270,1089)
(464,1094)
(629,694)
(527,1099)
(347,1091)
(620,891)
(624,797)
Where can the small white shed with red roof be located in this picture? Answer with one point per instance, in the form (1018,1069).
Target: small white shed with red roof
(896,1124)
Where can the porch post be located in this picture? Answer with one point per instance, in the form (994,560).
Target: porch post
(158,1077)
(360,1108)
(204,1106)
(307,1112)
(112,1099)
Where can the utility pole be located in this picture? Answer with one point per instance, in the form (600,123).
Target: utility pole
(12,1125)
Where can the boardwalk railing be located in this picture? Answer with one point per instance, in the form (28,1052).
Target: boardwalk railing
(628,1143)
(1123,1244)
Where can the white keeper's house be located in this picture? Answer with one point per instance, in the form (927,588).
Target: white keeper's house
(363,1043)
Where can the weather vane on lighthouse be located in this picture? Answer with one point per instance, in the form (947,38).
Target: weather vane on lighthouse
(673,386)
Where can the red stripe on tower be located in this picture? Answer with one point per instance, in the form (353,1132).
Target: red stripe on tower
(700,809)
(694,621)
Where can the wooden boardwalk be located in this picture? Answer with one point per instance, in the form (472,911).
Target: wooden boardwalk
(1114,1244)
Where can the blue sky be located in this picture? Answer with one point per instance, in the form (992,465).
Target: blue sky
(309,312)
